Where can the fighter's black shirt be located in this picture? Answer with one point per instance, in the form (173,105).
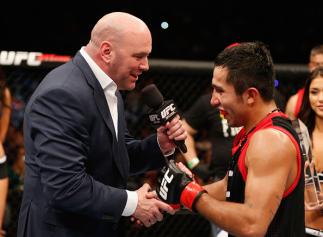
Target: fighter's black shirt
(202,116)
(289,218)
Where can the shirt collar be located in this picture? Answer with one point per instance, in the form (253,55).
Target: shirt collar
(105,81)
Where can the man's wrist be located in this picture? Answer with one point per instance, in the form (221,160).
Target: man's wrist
(169,153)
(131,204)
(191,194)
(165,153)
(193,163)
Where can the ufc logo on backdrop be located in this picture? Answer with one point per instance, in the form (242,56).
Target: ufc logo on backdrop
(32,59)
(16,58)
(163,187)
(165,112)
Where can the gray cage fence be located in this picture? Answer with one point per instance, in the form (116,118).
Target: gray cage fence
(182,81)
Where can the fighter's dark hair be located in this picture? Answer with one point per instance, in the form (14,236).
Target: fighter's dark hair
(249,64)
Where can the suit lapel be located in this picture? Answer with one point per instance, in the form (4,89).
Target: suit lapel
(119,154)
(99,96)
(103,107)
(121,135)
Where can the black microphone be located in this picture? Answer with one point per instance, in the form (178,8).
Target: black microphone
(160,111)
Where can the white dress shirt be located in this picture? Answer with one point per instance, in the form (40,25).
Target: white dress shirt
(110,87)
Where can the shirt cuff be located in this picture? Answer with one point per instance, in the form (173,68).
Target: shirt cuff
(131,205)
(168,153)
(3,159)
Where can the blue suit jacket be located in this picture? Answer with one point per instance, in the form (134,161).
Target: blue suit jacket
(76,168)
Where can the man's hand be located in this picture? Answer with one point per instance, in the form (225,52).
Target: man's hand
(202,171)
(149,209)
(167,134)
(2,233)
(175,186)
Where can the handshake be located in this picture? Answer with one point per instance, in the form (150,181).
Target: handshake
(175,187)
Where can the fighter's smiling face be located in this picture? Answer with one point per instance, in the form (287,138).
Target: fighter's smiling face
(225,98)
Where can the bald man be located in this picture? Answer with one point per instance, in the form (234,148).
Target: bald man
(79,153)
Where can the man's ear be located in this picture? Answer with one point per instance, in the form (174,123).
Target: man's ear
(106,48)
(250,95)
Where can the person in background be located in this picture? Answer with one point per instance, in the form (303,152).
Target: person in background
(78,152)
(264,186)
(311,114)
(294,102)
(6,104)
(202,116)
(3,188)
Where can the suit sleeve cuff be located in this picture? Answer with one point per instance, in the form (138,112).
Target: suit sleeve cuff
(132,202)
(166,153)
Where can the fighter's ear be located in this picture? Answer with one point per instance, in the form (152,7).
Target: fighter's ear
(251,94)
